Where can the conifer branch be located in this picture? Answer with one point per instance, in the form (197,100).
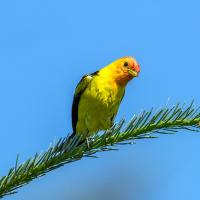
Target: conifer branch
(148,124)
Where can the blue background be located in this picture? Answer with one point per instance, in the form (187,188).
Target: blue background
(47,46)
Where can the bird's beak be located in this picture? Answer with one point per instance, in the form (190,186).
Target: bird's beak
(133,73)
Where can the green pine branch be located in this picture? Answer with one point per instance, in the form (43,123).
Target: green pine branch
(146,125)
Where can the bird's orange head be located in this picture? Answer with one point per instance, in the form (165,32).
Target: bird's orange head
(125,69)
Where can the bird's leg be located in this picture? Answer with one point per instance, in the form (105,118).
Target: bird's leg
(88,142)
(88,139)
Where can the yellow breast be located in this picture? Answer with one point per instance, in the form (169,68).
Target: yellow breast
(98,105)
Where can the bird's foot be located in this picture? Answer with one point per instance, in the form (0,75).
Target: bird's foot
(88,142)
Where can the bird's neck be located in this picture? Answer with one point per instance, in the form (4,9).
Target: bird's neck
(116,75)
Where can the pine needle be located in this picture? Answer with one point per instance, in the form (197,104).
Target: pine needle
(144,126)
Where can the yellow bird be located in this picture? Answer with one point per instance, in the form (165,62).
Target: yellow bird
(98,96)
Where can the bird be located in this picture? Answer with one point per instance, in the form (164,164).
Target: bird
(98,96)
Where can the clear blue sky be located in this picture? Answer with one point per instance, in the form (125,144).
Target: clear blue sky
(45,48)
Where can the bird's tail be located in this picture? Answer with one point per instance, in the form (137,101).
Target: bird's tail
(71,137)
(76,139)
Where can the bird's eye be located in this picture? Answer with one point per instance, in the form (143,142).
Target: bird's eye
(125,64)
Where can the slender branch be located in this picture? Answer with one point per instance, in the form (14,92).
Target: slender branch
(145,125)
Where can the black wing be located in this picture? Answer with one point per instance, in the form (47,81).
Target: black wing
(82,85)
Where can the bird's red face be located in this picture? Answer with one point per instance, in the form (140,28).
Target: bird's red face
(132,67)
(127,68)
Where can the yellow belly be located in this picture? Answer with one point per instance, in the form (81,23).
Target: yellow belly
(98,106)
